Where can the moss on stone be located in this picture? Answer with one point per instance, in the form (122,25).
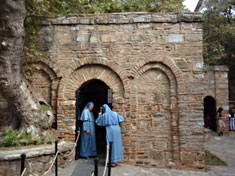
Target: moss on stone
(44,108)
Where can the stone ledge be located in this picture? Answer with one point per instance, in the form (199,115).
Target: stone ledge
(124,18)
(8,155)
(216,68)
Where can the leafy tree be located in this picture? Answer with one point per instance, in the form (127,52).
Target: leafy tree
(219,37)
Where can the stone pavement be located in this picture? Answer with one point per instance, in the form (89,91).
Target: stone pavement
(85,167)
(223,147)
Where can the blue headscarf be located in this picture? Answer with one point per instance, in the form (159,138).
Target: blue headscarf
(83,116)
(109,115)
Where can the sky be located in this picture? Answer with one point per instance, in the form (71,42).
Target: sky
(190,4)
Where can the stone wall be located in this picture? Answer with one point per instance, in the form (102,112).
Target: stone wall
(216,86)
(153,64)
(38,159)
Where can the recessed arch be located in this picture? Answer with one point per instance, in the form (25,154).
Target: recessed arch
(66,102)
(89,72)
(166,70)
(99,93)
(210,120)
(164,61)
(111,65)
(171,113)
(40,65)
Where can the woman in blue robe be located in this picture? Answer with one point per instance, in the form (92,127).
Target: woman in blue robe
(88,139)
(111,121)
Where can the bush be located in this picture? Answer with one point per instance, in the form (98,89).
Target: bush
(15,138)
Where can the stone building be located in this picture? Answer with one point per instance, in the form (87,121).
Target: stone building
(146,66)
(216,93)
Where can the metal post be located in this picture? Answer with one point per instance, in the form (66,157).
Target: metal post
(56,160)
(110,158)
(96,161)
(23,156)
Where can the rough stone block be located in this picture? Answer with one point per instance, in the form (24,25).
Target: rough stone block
(156,155)
(182,64)
(199,65)
(48,39)
(175,38)
(108,38)
(193,37)
(82,38)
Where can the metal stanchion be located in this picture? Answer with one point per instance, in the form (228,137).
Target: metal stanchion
(110,158)
(56,160)
(23,156)
(96,161)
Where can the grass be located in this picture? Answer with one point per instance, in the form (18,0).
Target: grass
(211,159)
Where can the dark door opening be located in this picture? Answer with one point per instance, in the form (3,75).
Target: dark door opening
(210,120)
(97,92)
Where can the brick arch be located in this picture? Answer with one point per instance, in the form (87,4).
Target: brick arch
(90,72)
(170,75)
(112,65)
(174,120)
(66,102)
(44,67)
(51,74)
(169,63)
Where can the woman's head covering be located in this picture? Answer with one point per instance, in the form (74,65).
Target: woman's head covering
(109,115)
(83,116)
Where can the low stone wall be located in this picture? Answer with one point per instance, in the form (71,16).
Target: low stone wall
(38,159)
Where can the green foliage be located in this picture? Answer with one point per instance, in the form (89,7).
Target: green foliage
(211,159)
(14,138)
(219,37)
(62,7)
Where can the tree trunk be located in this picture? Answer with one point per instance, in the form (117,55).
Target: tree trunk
(13,85)
(199,5)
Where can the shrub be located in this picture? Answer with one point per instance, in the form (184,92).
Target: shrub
(15,138)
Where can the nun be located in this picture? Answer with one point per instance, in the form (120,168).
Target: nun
(111,121)
(88,139)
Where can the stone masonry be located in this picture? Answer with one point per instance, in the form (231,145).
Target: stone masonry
(152,62)
(216,86)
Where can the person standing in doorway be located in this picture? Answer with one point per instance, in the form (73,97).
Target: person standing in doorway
(221,123)
(88,138)
(231,120)
(111,121)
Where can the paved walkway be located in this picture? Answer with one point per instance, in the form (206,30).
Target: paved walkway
(223,147)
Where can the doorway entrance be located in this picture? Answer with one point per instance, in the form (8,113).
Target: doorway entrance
(99,93)
(210,120)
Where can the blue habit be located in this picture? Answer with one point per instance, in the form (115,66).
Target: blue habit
(88,141)
(111,121)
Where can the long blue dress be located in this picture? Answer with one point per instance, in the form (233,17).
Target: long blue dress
(113,133)
(88,141)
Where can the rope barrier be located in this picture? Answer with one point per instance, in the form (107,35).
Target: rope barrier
(66,155)
(57,153)
(51,164)
(106,162)
(23,172)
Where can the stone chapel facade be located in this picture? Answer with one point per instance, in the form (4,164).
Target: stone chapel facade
(153,65)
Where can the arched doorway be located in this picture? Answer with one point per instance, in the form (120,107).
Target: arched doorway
(98,92)
(210,113)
